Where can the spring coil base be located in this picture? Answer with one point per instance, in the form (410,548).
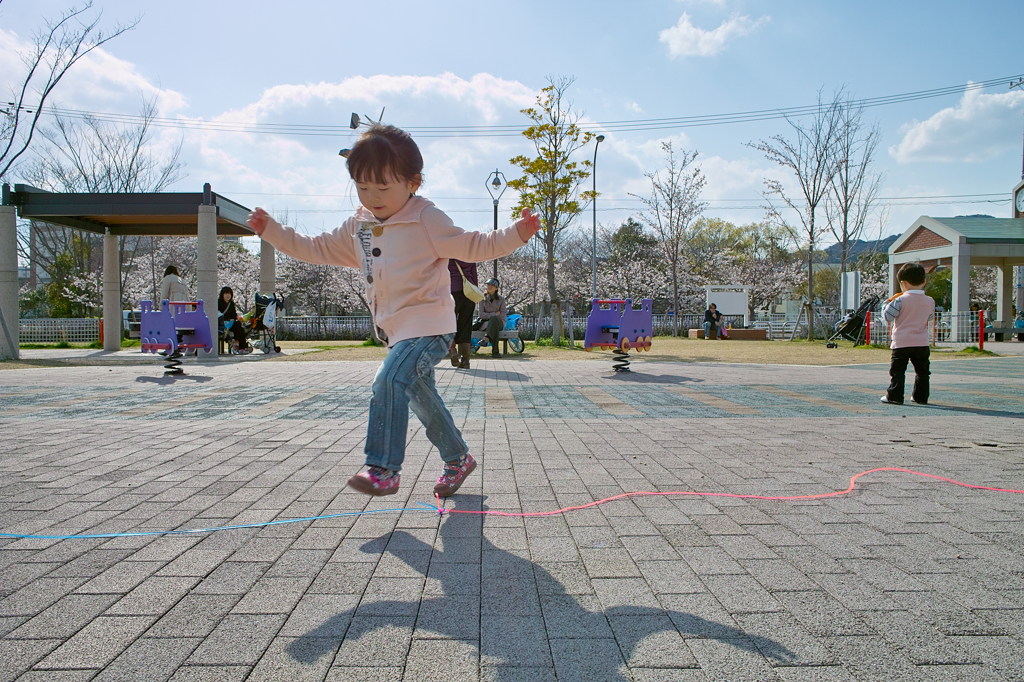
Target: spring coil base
(620,363)
(173,366)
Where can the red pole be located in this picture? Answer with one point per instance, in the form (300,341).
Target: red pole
(867,327)
(101,330)
(981,330)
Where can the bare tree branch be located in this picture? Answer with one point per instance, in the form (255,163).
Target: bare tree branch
(812,157)
(854,188)
(673,208)
(58,47)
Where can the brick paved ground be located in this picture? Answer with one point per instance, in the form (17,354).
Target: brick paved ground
(905,579)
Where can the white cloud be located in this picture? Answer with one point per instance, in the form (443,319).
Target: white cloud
(99,81)
(686,40)
(980,127)
(455,168)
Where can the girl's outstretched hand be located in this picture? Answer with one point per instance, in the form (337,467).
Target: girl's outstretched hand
(528,225)
(258,220)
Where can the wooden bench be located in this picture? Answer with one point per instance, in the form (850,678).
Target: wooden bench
(734,334)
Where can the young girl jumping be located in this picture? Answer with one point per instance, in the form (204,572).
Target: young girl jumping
(402,243)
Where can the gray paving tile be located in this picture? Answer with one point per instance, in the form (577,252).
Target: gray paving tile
(585,660)
(66,617)
(446,659)
(18,655)
(98,643)
(149,659)
(303,659)
(238,640)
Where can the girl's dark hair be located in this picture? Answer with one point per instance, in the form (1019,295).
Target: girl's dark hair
(912,273)
(385,150)
(171,270)
(226,290)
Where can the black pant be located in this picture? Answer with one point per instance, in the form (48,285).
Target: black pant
(237,330)
(492,326)
(464,309)
(918,355)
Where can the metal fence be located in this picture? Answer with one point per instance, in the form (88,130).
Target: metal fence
(946,329)
(313,328)
(326,328)
(57,330)
(662,324)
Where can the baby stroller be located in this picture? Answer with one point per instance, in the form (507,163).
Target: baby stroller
(851,326)
(261,323)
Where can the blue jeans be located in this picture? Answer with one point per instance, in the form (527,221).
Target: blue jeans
(406,379)
(708,326)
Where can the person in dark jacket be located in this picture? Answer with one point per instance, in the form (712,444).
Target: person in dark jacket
(492,315)
(226,312)
(461,347)
(711,318)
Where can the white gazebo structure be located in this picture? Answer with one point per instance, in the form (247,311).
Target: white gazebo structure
(958,243)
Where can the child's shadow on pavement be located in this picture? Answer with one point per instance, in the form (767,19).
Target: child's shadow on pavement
(511,631)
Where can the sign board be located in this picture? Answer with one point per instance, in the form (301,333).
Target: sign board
(730,299)
(849,291)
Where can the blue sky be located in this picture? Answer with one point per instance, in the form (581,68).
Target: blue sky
(473,63)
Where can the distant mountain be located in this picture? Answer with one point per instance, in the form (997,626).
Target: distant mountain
(860,246)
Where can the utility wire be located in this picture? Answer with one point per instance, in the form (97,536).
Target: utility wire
(317,130)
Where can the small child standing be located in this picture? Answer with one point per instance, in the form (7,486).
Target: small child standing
(402,244)
(909,313)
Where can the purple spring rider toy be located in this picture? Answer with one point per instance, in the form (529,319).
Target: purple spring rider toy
(181,325)
(619,327)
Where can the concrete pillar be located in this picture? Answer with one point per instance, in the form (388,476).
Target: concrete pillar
(961,303)
(9,281)
(111,294)
(1004,296)
(894,286)
(206,268)
(268,268)
(1020,289)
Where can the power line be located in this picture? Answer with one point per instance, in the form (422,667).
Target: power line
(753,207)
(319,130)
(507,201)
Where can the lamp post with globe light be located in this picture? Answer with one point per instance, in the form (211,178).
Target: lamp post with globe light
(496,187)
(593,253)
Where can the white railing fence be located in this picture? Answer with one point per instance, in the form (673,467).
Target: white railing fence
(57,330)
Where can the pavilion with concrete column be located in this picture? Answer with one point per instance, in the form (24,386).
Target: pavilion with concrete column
(205,215)
(958,243)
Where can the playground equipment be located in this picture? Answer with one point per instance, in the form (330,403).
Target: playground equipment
(510,335)
(615,324)
(181,325)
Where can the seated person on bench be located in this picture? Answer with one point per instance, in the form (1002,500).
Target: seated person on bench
(711,320)
(226,313)
(492,314)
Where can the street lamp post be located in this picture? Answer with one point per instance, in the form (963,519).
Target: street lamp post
(593,253)
(496,187)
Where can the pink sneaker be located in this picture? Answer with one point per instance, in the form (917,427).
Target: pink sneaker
(375,481)
(454,474)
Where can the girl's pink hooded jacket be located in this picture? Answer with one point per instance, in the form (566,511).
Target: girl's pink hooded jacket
(404,263)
